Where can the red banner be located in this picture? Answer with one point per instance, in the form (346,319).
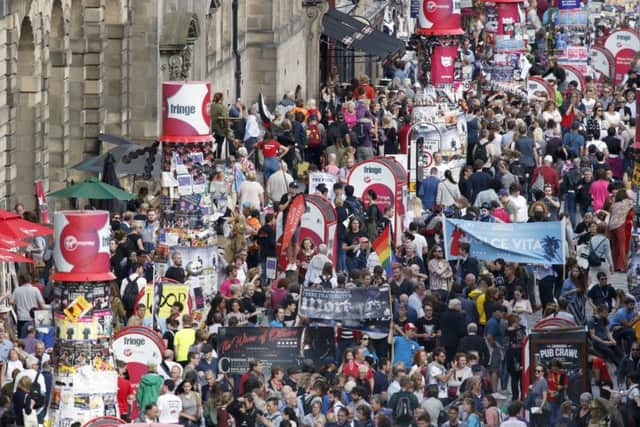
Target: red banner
(43,207)
(507,18)
(439,17)
(443,59)
(294,216)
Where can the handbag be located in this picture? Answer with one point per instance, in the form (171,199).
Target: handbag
(29,420)
(593,258)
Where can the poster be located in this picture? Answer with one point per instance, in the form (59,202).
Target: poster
(172,293)
(346,304)
(317,178)
(281,347)
(442,64)
(532,243)
(567,346)
(201,264)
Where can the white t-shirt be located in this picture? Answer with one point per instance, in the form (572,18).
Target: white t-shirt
(250,192)
(170,407)
(436,369)
(520,203)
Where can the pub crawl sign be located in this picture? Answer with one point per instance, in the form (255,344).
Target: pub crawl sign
(185,109)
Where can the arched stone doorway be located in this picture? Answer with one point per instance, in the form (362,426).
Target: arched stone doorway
(23,159)
(57,94)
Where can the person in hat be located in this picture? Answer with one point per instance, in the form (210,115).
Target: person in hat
(404,345)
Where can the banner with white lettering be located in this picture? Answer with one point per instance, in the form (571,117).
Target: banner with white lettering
(531,243)
(569,347)
(356,304)
(281,347)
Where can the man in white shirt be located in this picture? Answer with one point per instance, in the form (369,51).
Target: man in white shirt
(518,204)
(279,183)
(251,130)
(169,404)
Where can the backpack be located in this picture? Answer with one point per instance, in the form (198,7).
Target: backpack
(314,139)
(359,131)
(480,152)
(35,392)
(518,170)
(402,411)
(325,283)
(355,207)
(593,258)
(538,183)
(130,295)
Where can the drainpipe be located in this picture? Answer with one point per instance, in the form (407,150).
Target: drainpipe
(236,52)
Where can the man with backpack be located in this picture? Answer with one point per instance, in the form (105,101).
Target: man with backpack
(404,404)
(315,140)
(131,287)
(354,205)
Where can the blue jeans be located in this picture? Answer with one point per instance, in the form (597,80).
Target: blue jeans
(342,258)
(250,144)
(271,166)
(570,206)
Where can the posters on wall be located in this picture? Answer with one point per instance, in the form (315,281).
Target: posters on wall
(281,347)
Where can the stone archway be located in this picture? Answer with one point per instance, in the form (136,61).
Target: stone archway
(22,156)
(57,94)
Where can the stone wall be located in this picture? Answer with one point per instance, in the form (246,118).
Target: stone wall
(72,69)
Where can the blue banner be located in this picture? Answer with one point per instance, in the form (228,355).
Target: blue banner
(531,243)
(568,4)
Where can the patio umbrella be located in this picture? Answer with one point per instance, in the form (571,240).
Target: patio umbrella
(4,214)
(92,189)
(8,256)
(7,242)
(19,229)
(110,177)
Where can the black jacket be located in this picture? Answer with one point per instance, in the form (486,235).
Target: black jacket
(453,326)
(475,343)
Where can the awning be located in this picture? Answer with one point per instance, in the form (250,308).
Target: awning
(358,35)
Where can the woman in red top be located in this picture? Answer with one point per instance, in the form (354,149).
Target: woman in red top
(307,251)
(272,151)
(349,367)
(558,382)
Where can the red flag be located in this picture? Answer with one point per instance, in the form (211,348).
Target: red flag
(294,216)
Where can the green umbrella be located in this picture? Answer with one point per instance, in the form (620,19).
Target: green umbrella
(92,189)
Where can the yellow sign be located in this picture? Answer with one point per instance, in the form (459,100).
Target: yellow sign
(78,308)
(636,174)
(172,293)
(147,300)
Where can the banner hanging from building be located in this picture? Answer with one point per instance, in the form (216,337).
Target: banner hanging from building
(443,60)
(346,304)
(531,243)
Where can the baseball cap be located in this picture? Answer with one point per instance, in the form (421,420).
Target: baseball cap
(548,158)
(503,192)
(364,240)
(485,205)
(408,326)
(322,188)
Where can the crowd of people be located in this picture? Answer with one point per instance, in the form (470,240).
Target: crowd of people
(453,354)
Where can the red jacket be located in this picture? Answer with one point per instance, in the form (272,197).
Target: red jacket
(550,177)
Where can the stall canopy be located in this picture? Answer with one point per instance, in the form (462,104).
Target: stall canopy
(358,35)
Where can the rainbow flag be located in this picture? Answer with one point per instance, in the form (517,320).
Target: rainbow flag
(382,246)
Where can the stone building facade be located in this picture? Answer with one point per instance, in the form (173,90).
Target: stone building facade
(72,69)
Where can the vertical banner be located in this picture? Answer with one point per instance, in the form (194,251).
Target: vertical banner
(439,17)
(294,216)
(43,206)
(442,64)
(636,144)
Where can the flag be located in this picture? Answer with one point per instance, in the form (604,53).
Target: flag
(382,246)
(294,216)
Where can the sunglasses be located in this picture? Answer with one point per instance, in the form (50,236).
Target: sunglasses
(539,371)
(365,339)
